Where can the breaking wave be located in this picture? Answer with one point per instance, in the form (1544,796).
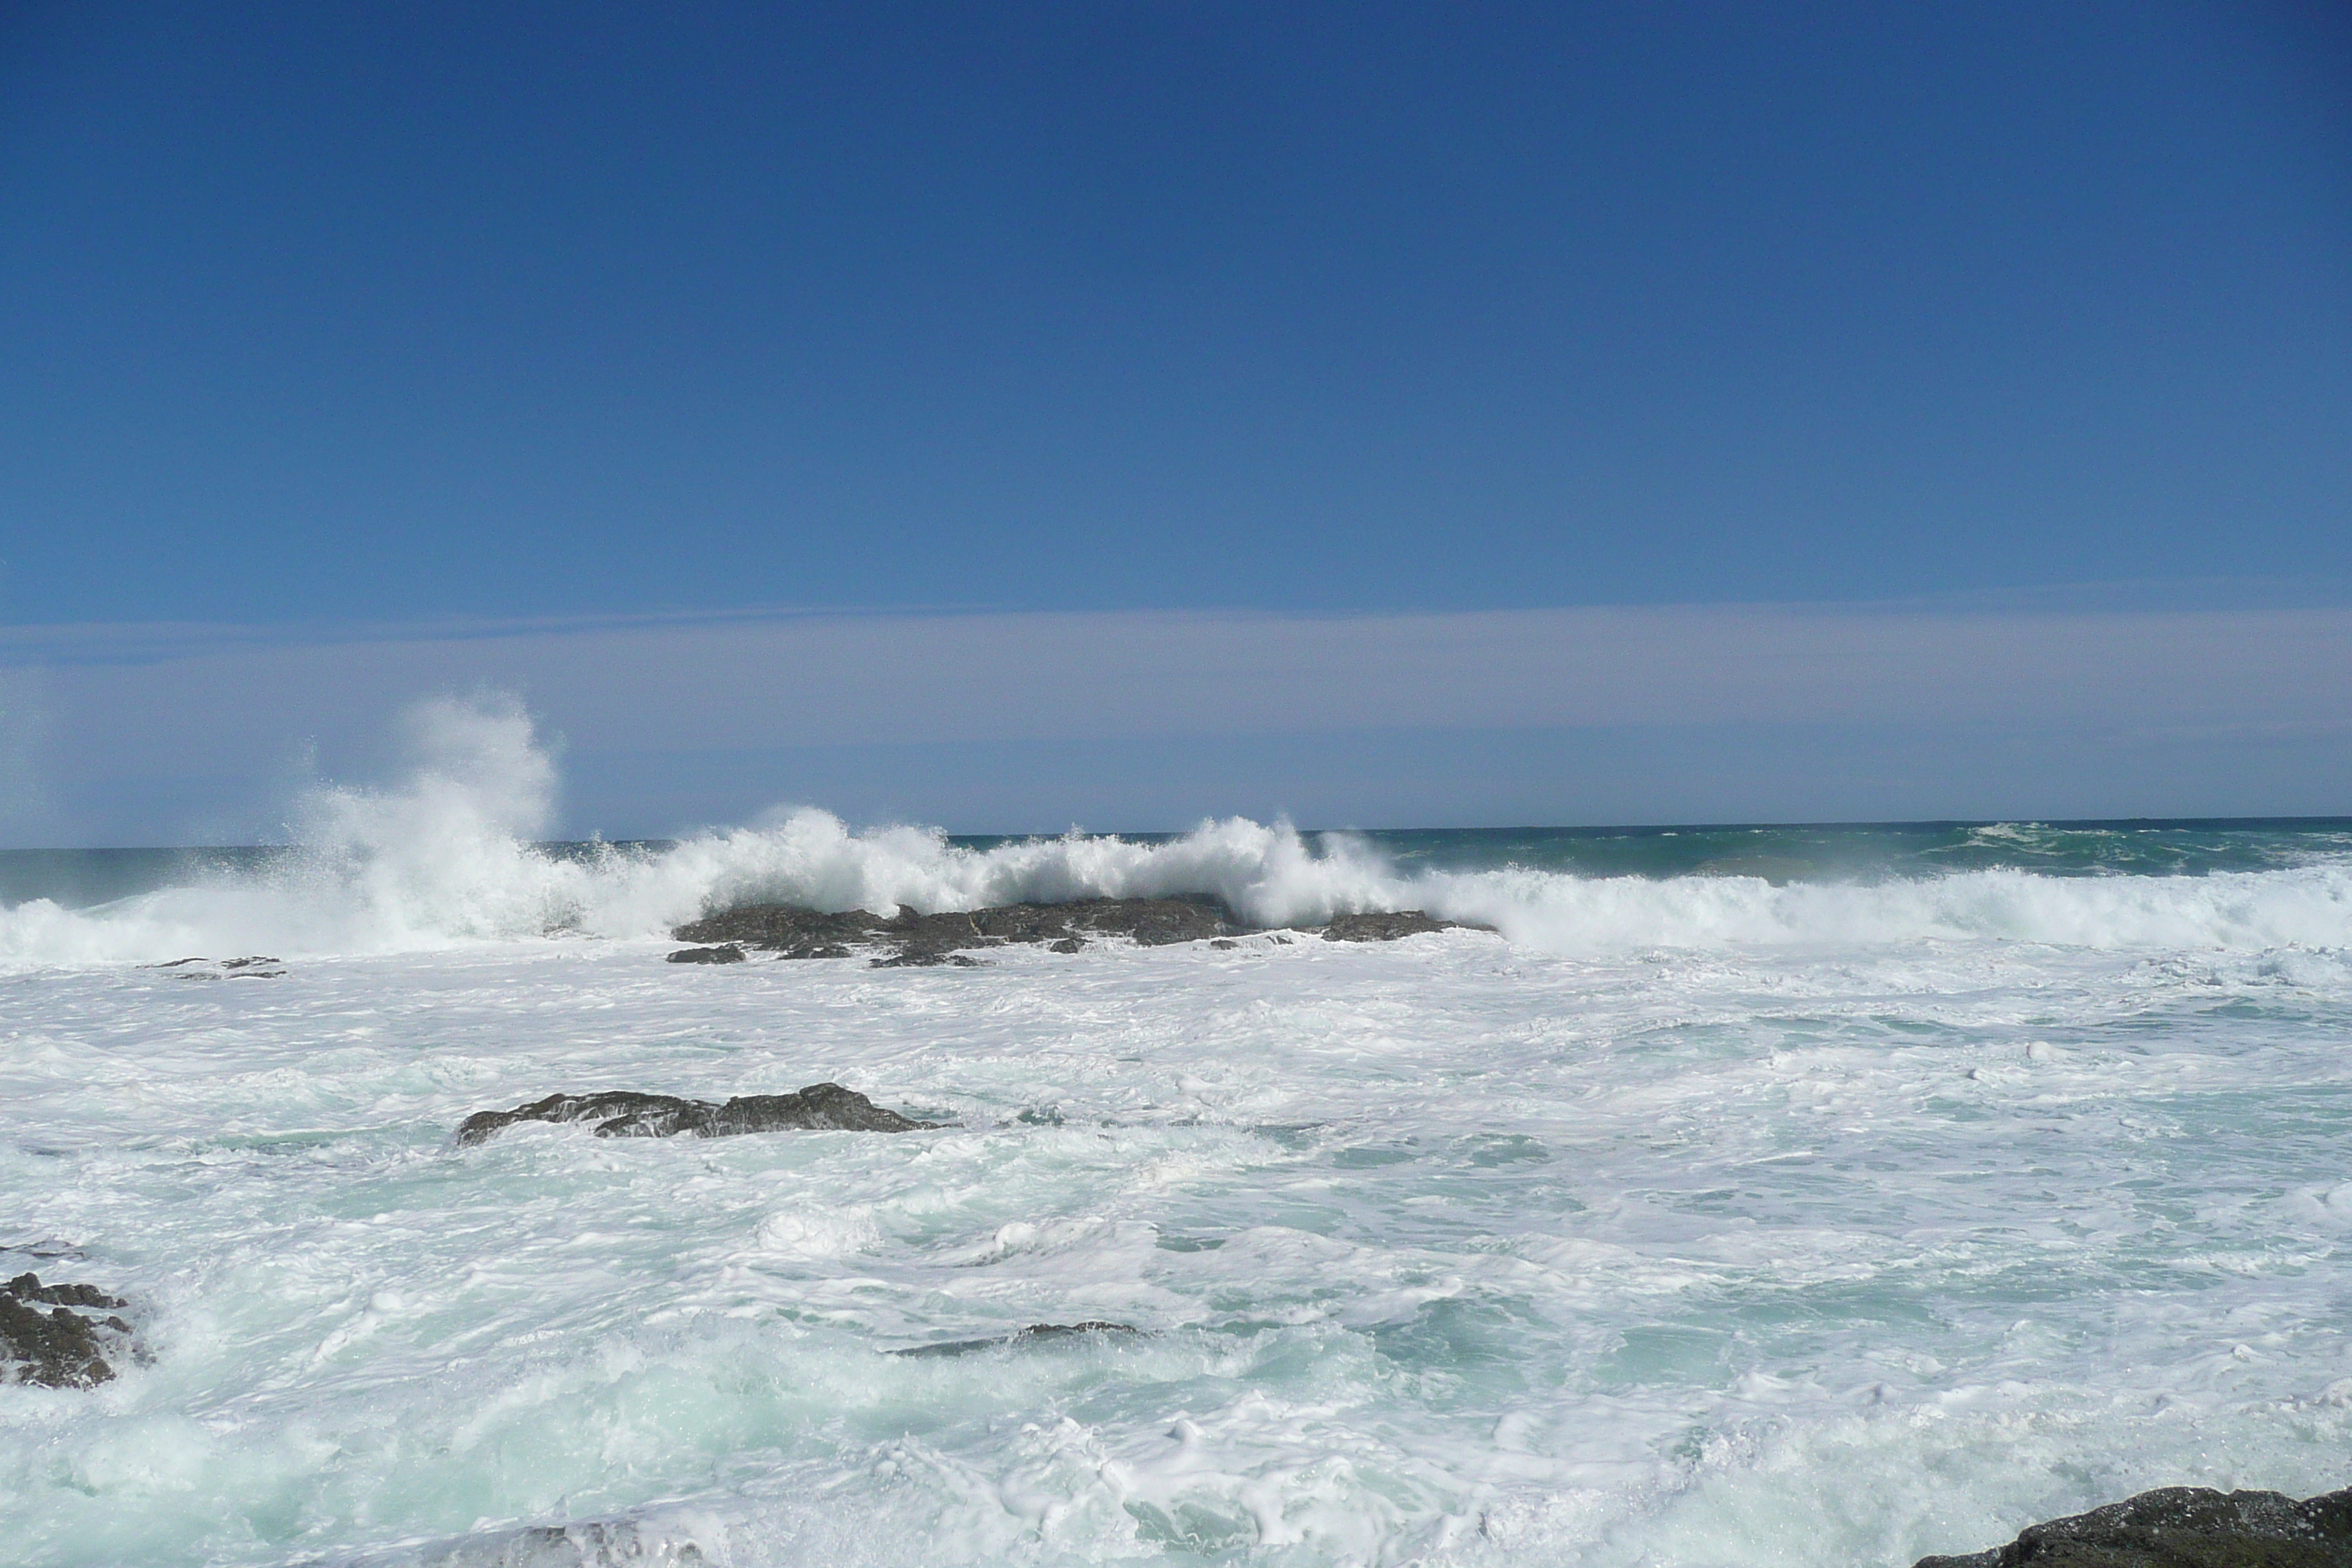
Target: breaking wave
(448,858)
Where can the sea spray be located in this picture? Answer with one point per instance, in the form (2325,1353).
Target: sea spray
(446,855)
(1728,1212)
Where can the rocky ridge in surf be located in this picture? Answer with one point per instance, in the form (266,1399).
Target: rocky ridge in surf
(625,1113)
(61,1348)
(908,939)
(2184,1527)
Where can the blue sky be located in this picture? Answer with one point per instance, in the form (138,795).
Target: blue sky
(419,321)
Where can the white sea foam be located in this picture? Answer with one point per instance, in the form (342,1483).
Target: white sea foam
(1702,1222)
(446,858)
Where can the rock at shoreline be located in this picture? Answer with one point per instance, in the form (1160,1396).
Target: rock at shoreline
(1388,925)
(909,941)
(2184,1527)
(1030,1335)
(59,1348)
(622,1114)
(726,952)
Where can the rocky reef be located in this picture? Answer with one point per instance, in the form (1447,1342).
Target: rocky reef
(908,939)
(622,1114)
(2184,1527)
(59,1348)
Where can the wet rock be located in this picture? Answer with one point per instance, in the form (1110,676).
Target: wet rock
(623,1113)
(1032,1334)
(910,939)
(726,952)
(1388,925)
(923,958)
(2184,1527)
(779,928)
(58,1348)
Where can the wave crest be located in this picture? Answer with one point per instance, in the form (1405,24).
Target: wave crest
(447,858)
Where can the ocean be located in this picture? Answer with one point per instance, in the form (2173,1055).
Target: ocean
(1749,1196)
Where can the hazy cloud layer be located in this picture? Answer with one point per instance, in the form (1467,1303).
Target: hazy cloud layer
(113,714)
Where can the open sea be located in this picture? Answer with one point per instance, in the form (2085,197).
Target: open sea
(1753,1196)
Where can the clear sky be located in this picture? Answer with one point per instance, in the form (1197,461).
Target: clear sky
(402,315)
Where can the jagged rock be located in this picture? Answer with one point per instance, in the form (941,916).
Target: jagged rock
(726,952)
(910,941)
(923,958)
(58,1348)
(1388,925)
(1030,1335)
(2184,1527)
(623,1113)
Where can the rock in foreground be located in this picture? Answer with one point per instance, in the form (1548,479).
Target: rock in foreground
(58,1348)
(621,1113)
(2184,1527)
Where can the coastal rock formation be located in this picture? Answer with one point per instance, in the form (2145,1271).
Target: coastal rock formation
(59,1348)
(1388,925)
(727,953)
(1030,1335)
(907,940)
(910,939)
(2184,1527)
(621,1113)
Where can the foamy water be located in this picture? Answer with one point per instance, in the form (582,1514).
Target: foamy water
(1692,1220)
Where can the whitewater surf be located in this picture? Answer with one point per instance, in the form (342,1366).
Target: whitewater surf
(1747,1196)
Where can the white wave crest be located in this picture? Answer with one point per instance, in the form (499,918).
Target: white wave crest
(447,858)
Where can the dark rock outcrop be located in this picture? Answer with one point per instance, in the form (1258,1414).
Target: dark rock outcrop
(1388,925)
(907,940)
(2184,1527)
(59,1348)
(1032,1334)
(622,1114)
(726,952)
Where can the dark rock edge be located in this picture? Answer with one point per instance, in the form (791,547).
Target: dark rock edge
(623,1113)
(59,1348)
(2184,1527)
(908,939)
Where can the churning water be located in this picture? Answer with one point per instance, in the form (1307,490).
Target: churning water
(1754,1197)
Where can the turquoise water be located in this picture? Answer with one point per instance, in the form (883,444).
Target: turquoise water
(1835,852)
(1749,1197)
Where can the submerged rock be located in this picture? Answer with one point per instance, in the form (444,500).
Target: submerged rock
(623,1113)
(727,953)
(2184,1527)
(59,1348)
(1030,1335)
